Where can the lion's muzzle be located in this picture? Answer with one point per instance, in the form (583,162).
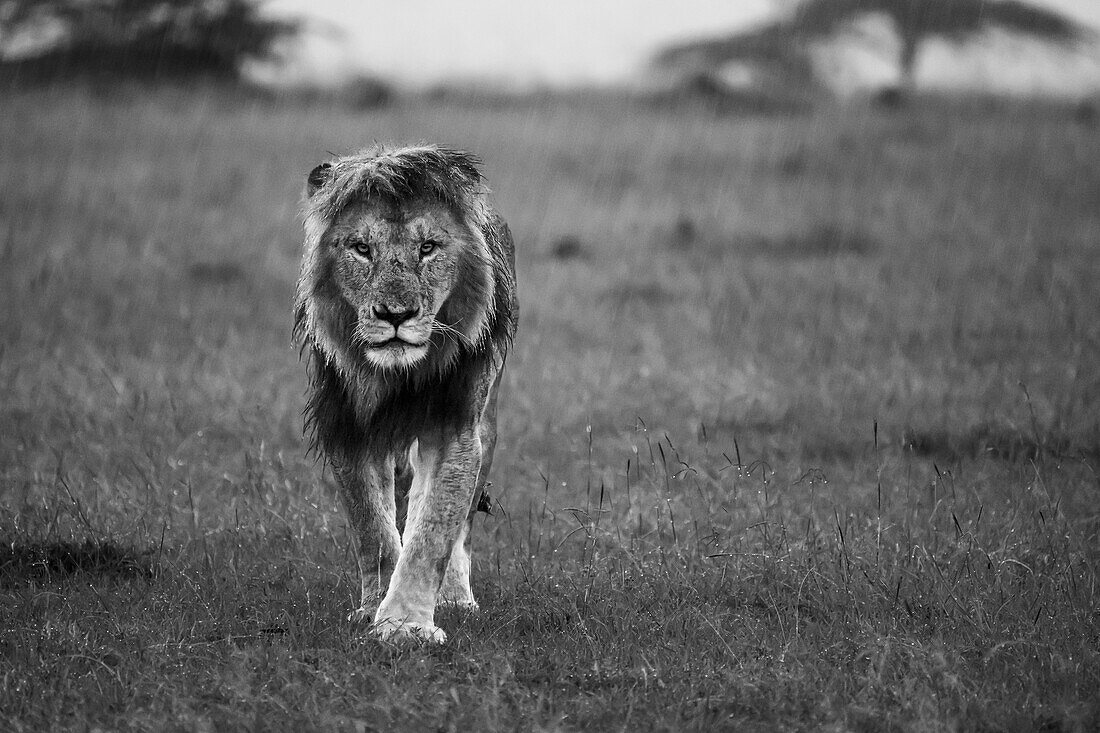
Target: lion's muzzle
(389,319)
(394,316)
(394,336)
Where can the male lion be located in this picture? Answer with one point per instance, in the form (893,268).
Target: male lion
(407,306)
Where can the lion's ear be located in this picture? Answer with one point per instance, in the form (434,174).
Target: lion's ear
(317,178)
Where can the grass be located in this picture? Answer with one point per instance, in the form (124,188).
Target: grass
(799,432)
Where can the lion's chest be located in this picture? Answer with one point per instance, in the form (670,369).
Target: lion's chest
(394,413)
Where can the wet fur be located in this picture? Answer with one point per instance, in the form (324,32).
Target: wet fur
(364,418)
(347,409)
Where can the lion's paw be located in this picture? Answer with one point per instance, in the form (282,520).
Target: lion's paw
(465,606)
(395,631)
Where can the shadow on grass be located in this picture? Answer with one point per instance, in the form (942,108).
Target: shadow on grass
(822,442)
(37,561)
(997,441)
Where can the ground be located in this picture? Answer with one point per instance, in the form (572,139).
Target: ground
(800,429)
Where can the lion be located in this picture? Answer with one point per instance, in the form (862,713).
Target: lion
(406,307)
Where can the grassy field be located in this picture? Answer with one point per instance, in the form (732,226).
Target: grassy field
(800,431)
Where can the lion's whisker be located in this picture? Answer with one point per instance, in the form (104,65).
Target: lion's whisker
(449,332)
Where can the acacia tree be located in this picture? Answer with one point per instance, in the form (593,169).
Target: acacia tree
(146,38)
(785,42)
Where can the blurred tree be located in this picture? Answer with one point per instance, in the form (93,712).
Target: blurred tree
(49,39)
(784,43)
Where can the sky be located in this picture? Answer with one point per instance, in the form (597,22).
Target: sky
(561,43)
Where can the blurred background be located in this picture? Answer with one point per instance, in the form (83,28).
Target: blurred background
(847,46)
(967,45)
(809,330)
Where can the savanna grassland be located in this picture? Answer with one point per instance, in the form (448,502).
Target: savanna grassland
(800,430)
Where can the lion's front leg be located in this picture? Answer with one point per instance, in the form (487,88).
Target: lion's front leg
(366,488)
(439,502)
(456,588)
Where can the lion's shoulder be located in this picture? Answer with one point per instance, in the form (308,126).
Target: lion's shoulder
(498,235)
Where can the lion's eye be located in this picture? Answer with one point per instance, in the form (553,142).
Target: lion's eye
(362,249)
(428,247)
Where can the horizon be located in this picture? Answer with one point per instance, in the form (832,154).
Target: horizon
(574,43)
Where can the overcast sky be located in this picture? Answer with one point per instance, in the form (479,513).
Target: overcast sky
(564,42)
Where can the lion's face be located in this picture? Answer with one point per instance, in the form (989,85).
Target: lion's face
(395,265)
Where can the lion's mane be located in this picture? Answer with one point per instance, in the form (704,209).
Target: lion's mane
(353,404)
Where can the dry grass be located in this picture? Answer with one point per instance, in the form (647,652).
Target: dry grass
(800,430)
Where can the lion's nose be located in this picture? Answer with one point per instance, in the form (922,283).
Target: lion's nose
(395,317)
